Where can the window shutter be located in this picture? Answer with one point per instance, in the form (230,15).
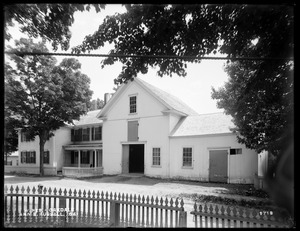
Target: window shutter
(72,135)
(100,132)
(80,134)
(93,133)
(88,136)
(22,157)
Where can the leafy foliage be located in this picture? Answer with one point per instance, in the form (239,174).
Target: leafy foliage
(42,95)
(190,30)
(262,108)
(50,21)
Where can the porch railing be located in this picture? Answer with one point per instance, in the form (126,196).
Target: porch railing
(82,171)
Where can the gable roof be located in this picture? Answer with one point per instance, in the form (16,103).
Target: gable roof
(205,124)
(171,101)
(89,118)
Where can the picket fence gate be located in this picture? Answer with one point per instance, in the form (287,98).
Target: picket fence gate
(57,208)
(209,215)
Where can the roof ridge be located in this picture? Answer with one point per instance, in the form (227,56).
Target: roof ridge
(190,110)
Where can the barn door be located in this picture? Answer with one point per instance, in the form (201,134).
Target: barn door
(133,128)
(125,159)
(218,165)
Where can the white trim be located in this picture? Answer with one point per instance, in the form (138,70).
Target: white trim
(133,94)
(133,142)
(219,148)
(160,151)
(136,104)
(187,146)
(204,135)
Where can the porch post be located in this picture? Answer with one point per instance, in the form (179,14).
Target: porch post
(79,152)
(95,154)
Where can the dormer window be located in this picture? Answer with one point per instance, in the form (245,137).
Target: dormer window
(132,104)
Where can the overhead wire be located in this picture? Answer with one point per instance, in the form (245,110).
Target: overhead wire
(147,56)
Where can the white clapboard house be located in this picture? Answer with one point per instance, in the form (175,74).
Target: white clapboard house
(145,130)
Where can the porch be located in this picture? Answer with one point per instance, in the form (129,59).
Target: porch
(82,160)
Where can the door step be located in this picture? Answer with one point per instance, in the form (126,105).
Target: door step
(132,174)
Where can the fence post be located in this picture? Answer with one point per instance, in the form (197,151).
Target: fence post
(62,205)
(114,220)
(40,188)
(182,219)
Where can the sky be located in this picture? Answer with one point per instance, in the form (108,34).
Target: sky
(194,89)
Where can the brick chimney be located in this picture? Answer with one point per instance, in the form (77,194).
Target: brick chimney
(107,97)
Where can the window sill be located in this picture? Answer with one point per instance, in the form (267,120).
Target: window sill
(135,113)
(155,166)
(187,167)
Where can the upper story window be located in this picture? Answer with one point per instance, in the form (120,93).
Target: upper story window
(132,104)
(24,137)
(86,134)
(97,133)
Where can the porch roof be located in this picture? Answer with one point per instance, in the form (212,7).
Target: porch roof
(83,146)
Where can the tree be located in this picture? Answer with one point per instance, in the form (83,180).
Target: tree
(198,30)
(96,104)
(43,95)
(11,123)
(100,103)
(49,21)
(262,111)
(190,30)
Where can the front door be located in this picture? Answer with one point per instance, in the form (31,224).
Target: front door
(136,158)
(218,166)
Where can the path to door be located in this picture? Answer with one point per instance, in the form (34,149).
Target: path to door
(136,184)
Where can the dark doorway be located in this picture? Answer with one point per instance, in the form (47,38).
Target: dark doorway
(136,158)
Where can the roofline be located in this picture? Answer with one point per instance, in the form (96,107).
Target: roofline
(83,125)
(110,102)
(176,112)
(151,93)
(201,135)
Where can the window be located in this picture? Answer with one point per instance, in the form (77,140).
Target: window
(86,134)
(156,156)
(85,157)
(74,157)
(78,134)
(46,157)
(28,157)
(235,151)
(24,137)
(97,133)
(9,162)
(132,104)
(187,157)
